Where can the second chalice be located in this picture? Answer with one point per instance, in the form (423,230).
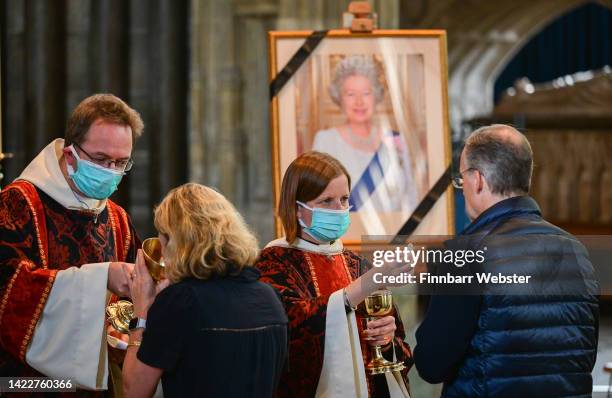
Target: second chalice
(121,312)
(377,305)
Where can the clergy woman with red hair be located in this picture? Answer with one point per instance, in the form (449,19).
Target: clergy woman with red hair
(321,283)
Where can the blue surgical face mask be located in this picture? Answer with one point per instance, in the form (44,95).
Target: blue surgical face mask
(93,180)
(326,225)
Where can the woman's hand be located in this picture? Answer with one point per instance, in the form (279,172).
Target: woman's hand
(367,283)
(381,331)
(140,379)
(395,268)
(142,287)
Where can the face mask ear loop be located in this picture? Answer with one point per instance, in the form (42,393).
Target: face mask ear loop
(303,205)
(300,221)
(74,152)
(69,168)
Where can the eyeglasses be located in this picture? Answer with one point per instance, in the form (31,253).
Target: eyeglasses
(458,179)
(120,165)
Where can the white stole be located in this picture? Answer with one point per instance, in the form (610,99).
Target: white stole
(343,374)
(69,339)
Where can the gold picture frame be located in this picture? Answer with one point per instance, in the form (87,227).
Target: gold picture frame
(411,70)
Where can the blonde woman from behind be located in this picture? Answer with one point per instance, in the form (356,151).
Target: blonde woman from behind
(215,331)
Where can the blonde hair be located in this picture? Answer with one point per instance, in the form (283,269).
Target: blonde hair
(207,237)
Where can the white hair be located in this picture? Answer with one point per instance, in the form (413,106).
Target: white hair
(355,65)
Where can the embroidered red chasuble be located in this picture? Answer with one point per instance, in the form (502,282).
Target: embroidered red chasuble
(38,238)
(305,280)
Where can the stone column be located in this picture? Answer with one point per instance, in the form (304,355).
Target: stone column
(215,93)
(254,21)
(388,13)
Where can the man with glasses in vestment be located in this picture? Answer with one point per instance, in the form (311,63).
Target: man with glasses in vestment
(64,246)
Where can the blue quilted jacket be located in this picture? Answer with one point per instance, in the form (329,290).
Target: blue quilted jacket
(533,340)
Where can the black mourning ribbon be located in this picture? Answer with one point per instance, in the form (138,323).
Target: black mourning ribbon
(424,207)
(296,61)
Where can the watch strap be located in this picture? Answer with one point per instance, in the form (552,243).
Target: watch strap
(138,323)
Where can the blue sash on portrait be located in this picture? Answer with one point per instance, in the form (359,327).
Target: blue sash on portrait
(373,175)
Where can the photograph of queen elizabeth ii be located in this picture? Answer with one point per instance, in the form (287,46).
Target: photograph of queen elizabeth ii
(378,105)
(367,140)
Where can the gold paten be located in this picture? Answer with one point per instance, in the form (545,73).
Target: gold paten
(119,315)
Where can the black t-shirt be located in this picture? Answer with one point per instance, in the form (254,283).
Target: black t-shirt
(225,337)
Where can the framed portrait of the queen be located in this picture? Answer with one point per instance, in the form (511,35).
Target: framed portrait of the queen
(377,102)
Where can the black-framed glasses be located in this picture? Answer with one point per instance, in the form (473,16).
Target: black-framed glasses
(458,178)
(119,165)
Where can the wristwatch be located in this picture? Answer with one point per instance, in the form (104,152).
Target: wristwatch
(137,323)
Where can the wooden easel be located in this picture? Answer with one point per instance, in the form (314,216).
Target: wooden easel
(359,18)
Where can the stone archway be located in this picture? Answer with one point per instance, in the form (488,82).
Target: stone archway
(483,37)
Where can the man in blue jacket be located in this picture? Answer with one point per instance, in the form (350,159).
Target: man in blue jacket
(536,339)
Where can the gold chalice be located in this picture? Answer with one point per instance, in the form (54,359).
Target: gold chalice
(121,312)
(151,248)
(377,305)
